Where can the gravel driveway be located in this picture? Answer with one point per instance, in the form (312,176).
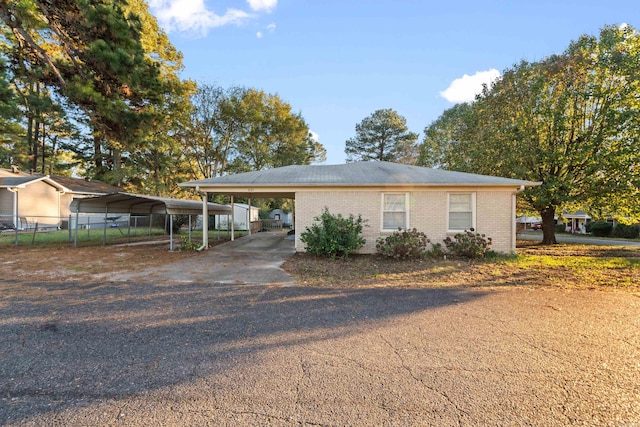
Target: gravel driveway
(141,353)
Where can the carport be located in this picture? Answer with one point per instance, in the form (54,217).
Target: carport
(136,204)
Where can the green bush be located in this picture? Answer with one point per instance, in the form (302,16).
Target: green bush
(187,245)
(436,251)
(333,236)
(407,244)
(626,231)
(468,244)
(601,228)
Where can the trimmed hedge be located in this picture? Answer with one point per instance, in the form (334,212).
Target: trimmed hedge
(601,228)
(626,231)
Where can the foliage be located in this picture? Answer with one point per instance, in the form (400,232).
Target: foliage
(560,228)
(437,251)
(334,235)
(570,121)
(601,228)
(383,136)
(403,244)
(468,244)
(240,130)
(626,231)
(186,245)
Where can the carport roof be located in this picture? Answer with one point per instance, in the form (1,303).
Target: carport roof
(139,204)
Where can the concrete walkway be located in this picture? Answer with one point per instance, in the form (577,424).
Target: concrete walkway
(254,259)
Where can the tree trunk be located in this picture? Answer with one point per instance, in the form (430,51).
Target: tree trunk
(548,226)
(44,149)
(36,144)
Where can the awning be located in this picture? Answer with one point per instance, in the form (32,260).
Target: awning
(140,205)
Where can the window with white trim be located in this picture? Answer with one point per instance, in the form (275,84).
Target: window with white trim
(395,212)
(461,211)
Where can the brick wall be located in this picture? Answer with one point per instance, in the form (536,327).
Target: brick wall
(428,212)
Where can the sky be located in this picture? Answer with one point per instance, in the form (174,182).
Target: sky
(336,62)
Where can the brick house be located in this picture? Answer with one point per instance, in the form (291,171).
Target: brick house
(437,202)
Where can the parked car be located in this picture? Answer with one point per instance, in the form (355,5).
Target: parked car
(537,226)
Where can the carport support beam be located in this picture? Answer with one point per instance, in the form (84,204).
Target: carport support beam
(171,232)
(249,218)
(233,218)
(205,222)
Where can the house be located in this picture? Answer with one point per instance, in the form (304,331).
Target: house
(42,201)
(281,215)
(577,221)
(388,196)
(243,214)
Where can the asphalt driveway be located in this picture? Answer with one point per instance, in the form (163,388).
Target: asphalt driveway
(175,353)
(254,259)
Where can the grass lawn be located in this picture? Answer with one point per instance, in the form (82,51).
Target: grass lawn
(96,236)
(566,266)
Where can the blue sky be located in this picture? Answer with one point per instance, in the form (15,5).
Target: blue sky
(337,62)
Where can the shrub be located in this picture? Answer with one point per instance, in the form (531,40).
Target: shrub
(187,245)
(561,228)
(407,244)
(601,228)
(626,231)
(333,236)
(436,251)
(468,244)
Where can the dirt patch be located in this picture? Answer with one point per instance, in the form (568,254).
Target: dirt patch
(86,263)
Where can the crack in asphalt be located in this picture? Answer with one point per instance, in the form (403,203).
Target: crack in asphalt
(443,394)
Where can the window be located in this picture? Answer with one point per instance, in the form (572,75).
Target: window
(394,211)
(461,211)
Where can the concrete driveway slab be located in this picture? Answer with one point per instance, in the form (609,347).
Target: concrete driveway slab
(254,259)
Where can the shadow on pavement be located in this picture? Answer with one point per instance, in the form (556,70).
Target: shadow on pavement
(65,344)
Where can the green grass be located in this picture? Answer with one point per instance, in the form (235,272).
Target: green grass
(95,236)
(61,237)
(574,262)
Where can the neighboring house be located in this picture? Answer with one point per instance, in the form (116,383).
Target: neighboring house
(388,196)
(576,221)
(27,200)
(242,216)
(280,215)
(529,222)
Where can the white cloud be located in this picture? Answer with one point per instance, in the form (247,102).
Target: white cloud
(314,136)
(271,27)
(259,34)
(465,88)
(262,5)
(193,16)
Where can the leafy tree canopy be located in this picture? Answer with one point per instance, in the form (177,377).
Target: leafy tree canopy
(570,121)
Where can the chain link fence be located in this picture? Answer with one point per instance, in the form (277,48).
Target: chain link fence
(83,229)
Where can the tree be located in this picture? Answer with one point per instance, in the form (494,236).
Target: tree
(569,121)
(90,53)
(240,130)
(383,136)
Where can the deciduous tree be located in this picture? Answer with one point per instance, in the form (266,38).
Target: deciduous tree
(570,121)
